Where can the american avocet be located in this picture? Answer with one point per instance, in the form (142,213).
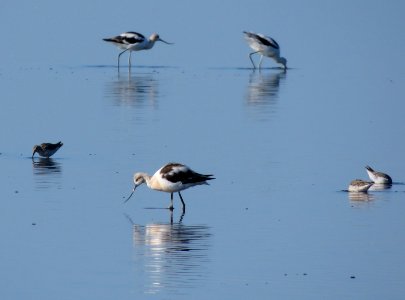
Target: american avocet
(359,186)
(378,177)
(171,178)
(266,46)
(46,149)
(133,41)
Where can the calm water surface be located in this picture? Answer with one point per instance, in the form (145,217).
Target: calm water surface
(283,146)
(275,222)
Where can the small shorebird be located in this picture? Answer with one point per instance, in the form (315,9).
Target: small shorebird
(266,46)
(46,149)
(378,177)
(359,186)
(171,178)
(133,41)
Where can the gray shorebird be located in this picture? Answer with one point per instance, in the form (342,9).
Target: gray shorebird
(133,41)
(359,186)
(265,46)
(378,177)
(46,149)
(171,178)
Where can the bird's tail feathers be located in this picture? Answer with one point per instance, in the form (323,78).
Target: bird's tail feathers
(369,169)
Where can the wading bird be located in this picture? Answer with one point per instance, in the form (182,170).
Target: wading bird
(171,178)
(264,45)
(359,186)
(133,41)
(46,149)
(378,177)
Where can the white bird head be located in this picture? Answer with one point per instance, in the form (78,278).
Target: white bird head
(155,37)
(139,178)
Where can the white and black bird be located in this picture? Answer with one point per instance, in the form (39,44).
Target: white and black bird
(266,46)
(171,178)
(133,41)
(359,186)
(378,177)
(46,149)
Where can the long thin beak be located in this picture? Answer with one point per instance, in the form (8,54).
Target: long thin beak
(165,41)
(130,195)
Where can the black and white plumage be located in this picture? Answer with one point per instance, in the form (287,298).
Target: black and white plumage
(133,41)
(264,45)
(171,178)
(378,177)
(46,149)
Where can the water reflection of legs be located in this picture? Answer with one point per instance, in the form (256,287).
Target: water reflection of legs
(128,217)
(134,89)
(169,257)
(180,219)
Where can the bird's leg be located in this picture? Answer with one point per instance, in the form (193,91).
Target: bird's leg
(250,56)
(260,63)
(181,217)
(119,55)
(129,59)
(184,204)
(171,202)
(171,217)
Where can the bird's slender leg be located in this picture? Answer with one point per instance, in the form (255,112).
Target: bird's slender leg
(184,204)
(171,201)
(250,56)
(129,59)
(171,217)
(260,63)
(119,55)
(181,217)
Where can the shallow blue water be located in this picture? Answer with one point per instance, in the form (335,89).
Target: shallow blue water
(282,145)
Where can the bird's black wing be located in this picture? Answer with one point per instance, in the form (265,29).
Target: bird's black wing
(175,172)
(130,37)
(268,41)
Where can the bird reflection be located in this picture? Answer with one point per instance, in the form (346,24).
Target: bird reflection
(360,196)
(380,186)
(134,90)
(47,172)
(170,257)
(263,89)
